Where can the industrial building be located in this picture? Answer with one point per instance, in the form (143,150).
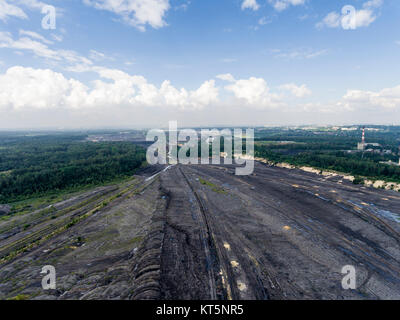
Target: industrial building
(374,148)
(363,145)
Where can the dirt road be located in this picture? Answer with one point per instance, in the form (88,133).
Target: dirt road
(277,234)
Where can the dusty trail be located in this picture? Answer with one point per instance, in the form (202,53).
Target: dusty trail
(188,262)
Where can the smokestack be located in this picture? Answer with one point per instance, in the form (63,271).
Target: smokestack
(363,136)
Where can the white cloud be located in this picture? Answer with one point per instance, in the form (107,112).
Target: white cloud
(298,91)
(373,4)
(116,93)
(304,17)
(384,102)
(56,37)
(34,35)
(250,4)
(9,10)
(299,53)
(263,21)
(331,20)
(22,88)
(388,98)
(364,18)
(315,54)
(228,60)
(226,77)
(254,92)
(33,4)
(28,88)
(38,89)
(13,10)
(38,48)
(281,5)
(137,13)
(130,63)
(205,95)
(97,55)
(29,42)
(352,19)
(183,6)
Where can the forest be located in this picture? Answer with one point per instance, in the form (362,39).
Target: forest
(40,164)
(333,150)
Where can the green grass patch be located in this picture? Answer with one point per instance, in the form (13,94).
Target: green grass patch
(35,203)
(20,297)
(212,186)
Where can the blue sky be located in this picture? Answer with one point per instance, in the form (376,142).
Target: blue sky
(201,62)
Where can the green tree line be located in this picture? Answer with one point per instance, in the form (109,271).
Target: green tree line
(339,161)
(37,166)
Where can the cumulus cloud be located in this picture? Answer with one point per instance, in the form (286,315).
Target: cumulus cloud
(39,89)
(253,92)
(384,102)
(250,4)
(114,92)
(388,98)
(9,10)
(281,5)
(137,13)
(298,91)
(22,88)
(351,18)
(28,88)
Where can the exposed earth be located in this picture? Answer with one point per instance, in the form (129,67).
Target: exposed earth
(200,232)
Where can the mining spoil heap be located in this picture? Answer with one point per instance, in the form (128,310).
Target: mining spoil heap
(200,232)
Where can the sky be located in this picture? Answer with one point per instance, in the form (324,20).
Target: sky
(142,63)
